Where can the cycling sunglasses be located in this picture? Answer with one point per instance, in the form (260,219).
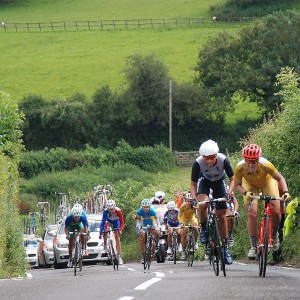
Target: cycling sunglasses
(210,157)
(251,161)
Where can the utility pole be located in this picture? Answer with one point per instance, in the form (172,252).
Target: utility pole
(170,116)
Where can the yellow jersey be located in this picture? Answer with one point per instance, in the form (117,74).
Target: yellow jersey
(264,172)
(186,213)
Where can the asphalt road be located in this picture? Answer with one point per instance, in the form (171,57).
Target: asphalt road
(163,281)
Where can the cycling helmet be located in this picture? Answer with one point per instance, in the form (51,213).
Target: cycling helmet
(252,151)
(209,148)
(76,211)
(154,200)
(188,196)
(171,205)
(78,205)
(146,202)
(160,195)
(110,204)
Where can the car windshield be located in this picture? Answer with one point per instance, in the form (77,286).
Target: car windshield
(30,243)
(94,226)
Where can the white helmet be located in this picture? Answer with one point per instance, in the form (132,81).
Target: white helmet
(78,205)
(160,195)
(188,196)
(146,202)
(209,148)
(76,211)
(110,204)
(171,205)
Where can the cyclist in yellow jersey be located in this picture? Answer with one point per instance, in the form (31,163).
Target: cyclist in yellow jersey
(187,215)
(252,175)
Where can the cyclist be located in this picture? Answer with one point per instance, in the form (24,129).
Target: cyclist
(187,215)
(75,220)
(171,220)
(148,216)
(161,196)
(232,210)
(113,217)
(252,174)
(208,172)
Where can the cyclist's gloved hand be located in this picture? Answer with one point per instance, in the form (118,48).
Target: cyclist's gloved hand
(236,214)
(249,195)
(286,196)
(195,202)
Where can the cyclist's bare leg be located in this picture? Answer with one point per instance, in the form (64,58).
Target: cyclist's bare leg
(105,238)
(178,235)
(118,241)
(202,209)
(169,239)
(70,247)
(252,218)
(142,241)
(184,238)
(222,223)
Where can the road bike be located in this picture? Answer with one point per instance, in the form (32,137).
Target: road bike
(174,243)
(77,251)
(214,247)
(112,251)
(190,246)
(265,240)
(99,198)
(43,216)
(149,246)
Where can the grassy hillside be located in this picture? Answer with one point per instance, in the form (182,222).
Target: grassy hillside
(58,64)
(76,10)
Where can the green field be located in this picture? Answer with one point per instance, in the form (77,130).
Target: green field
(76,10)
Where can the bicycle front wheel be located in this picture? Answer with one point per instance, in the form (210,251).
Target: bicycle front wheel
(263,257)
(219,247)
(75,258)
(174,247)
(190,251)
(115,260)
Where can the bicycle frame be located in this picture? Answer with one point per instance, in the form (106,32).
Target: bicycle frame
(190,248)
(174,243)
(265,241)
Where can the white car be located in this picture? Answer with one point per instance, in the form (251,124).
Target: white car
(94,244)
(31,246)
(45,248)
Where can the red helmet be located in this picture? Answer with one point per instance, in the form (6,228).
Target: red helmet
(252,151)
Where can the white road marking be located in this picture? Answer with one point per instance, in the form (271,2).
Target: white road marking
(126,298)
(146,284)
(159,274)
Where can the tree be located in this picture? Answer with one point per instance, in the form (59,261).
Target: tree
(247,63)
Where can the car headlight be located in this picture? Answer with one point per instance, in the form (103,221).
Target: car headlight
(62,246)
(49,249)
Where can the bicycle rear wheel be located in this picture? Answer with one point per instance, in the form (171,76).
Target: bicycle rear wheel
(263,255)
(190,251)
(219,246)
(174,247)
(147,259)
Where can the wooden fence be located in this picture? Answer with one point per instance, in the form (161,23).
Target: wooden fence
(119,24)
(186,158)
